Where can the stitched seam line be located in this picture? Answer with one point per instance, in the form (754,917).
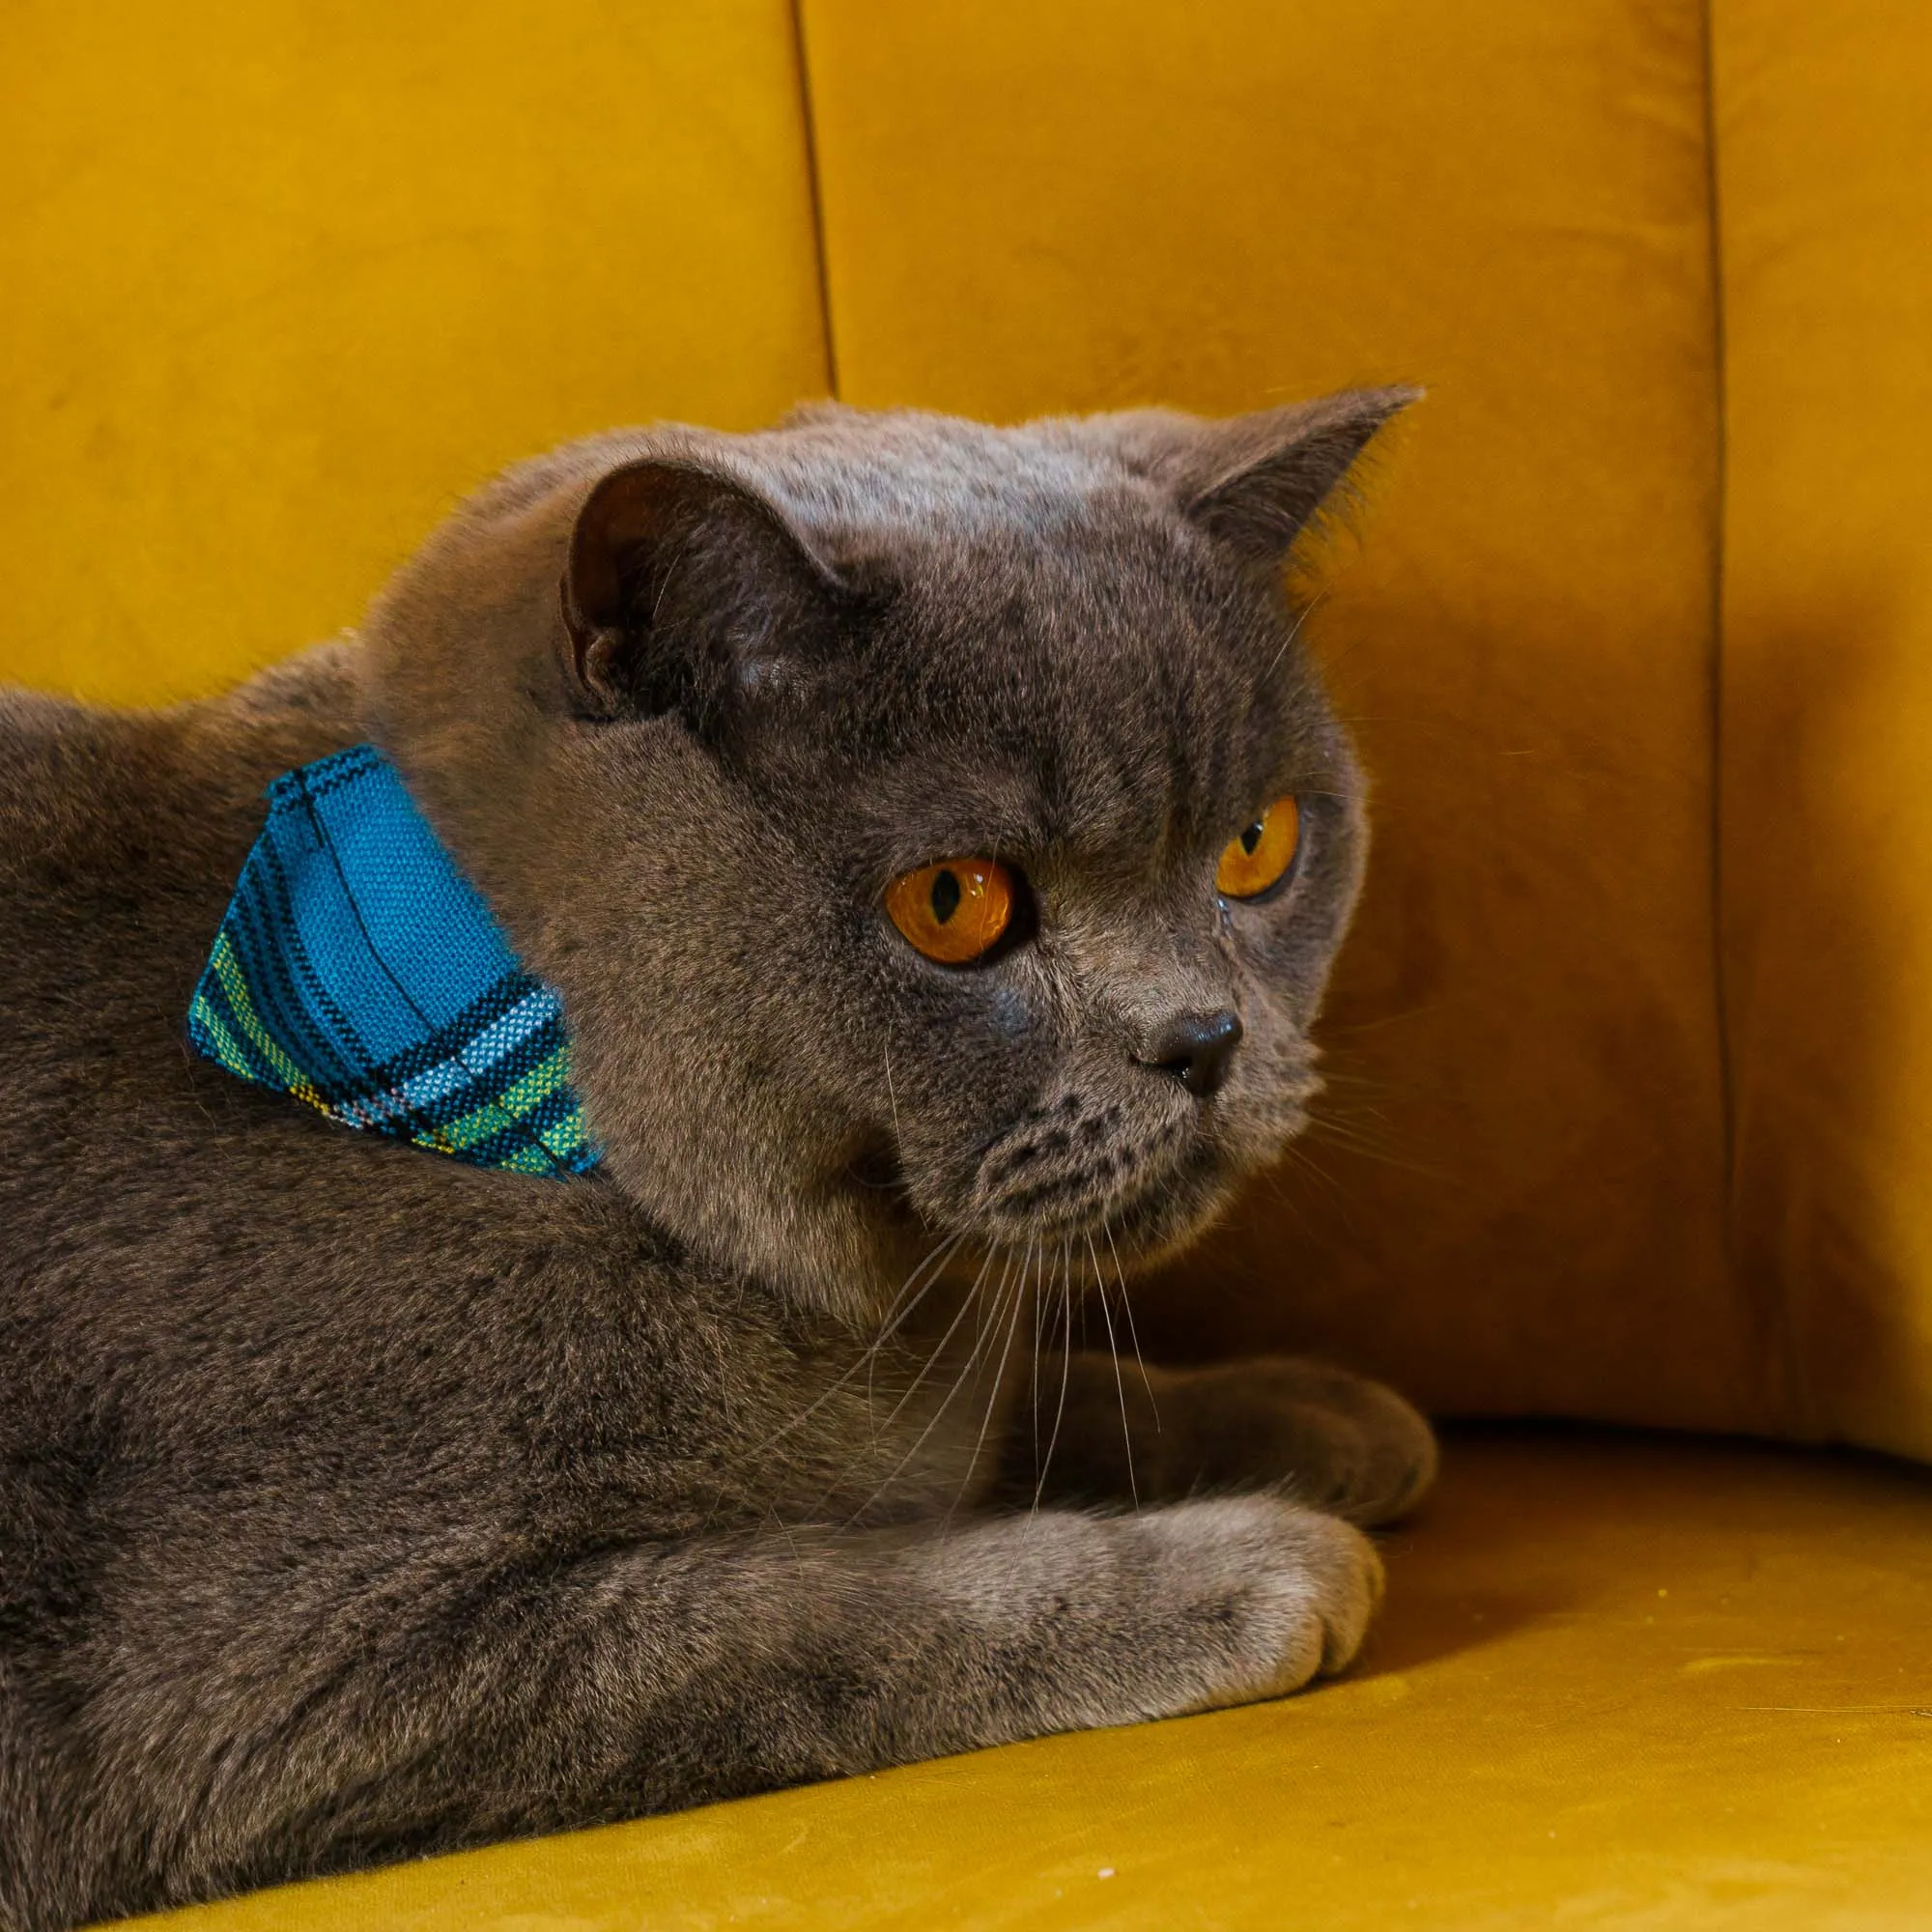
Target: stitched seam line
(815,193)
(1719,511)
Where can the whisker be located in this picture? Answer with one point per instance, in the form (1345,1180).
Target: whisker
(889,1095)
(1304,1223)
(925,1368)
(1327,1128)
(1120,1386)
(940,1253)
(1299,1157)
(1127,1309)
(993,1393)
(967,1301)
(936,1261)
(959,1381)
(1038,1303)
(896,1317)
(1308,611)
(1060,1409)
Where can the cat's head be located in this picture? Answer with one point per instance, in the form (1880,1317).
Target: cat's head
(881,793)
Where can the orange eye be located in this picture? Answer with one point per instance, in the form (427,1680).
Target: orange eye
(952,912)
(1254,859)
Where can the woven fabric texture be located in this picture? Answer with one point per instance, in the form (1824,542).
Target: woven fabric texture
(357,970)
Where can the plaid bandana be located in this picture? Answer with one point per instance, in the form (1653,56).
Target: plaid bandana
(357,970)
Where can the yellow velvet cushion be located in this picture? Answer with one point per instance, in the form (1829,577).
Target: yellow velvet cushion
(1618,1683)
(283,282)
(1824,146)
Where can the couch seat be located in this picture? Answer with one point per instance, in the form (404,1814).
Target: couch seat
(1621,1681)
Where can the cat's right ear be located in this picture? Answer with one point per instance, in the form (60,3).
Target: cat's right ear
(686,592)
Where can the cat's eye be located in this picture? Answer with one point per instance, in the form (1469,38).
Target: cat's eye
(954,911)
(1259,854)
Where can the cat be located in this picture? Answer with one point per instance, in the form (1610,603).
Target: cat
(356,1503)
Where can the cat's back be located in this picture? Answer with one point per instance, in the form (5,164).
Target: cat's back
(121,837)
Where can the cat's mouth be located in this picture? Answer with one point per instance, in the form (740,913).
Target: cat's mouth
(1067,1171)
(1071,1170)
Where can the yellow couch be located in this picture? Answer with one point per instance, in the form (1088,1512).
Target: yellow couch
(1633,1113)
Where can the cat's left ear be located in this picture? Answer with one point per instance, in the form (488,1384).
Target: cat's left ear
(1255,482)
(687,592)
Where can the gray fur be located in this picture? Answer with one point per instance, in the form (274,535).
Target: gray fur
(355,1504)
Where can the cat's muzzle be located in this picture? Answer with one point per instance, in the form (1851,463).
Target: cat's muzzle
(1074,1167)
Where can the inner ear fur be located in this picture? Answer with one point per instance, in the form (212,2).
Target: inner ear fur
(687,591)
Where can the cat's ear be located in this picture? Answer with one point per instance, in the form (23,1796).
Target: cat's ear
(686,592)
(1255,482)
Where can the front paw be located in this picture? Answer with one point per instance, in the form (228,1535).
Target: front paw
(1274,1595)
(1380,1457)
(1064,1620)
(1334,1441)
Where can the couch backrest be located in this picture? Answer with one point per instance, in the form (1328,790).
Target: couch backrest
(1824,154)
(284,282)
(1626,1115)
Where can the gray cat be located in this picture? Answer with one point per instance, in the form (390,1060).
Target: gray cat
(357,1504)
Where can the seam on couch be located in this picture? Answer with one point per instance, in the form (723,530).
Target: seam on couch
(802,61)
(1719,511)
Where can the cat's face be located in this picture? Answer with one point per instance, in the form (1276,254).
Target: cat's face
(1099,727)
(812,689)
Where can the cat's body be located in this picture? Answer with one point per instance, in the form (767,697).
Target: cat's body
(356,1503)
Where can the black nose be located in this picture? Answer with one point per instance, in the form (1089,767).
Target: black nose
(1195,1048)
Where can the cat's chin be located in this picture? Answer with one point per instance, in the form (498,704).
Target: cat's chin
(1065,1175)
(1172,1212)
(1136,1213)
(1133,1229)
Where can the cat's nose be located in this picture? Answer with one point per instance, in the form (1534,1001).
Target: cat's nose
(1195,1048)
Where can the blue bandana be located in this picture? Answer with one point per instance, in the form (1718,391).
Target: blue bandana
(359,970)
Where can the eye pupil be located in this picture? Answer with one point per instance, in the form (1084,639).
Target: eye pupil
(1259,855)
(953,912)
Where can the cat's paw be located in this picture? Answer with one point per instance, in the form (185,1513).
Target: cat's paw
(1268,1594)
(1334,1441)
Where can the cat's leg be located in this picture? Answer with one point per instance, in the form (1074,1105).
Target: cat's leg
(1332,1439)
(458,1710)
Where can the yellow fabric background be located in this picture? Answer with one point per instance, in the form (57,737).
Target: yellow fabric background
(1825,141)
(286,277)
(1681,1688)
